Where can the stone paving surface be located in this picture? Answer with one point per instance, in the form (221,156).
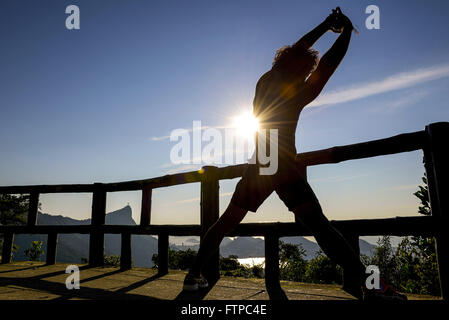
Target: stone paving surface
(37,281)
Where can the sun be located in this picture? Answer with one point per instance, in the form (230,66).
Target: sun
(246,125)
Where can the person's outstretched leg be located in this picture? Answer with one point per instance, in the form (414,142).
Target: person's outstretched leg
(213,237)
(332,242)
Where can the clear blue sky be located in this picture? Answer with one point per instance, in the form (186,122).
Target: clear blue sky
(80,106)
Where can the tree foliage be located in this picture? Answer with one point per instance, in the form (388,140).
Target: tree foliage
(13,211)
(322,269)
(35,251)
(416,255)
(384,258)
(423,195)
(292,264)
(111,260)
(412,267)
(178,260)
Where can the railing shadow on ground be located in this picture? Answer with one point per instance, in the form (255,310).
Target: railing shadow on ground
(60,290)
(40,282)
(23,269)
(432,141)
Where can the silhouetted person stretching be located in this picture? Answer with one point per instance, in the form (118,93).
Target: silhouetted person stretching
(295,80)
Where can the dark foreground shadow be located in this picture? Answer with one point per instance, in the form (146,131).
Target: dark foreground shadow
(40,283)
(65,294)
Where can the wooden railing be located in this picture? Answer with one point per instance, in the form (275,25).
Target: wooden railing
(433,140)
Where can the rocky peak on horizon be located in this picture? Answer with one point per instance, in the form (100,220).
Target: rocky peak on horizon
(121,216)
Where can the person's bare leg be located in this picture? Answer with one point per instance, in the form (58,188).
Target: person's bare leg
(331,242)
(213,237)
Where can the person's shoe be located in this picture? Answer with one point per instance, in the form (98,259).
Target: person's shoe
(193,283)
(384,293)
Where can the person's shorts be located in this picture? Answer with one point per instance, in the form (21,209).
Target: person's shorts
(288,182)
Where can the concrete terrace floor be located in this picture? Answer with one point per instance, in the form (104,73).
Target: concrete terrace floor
(37,281)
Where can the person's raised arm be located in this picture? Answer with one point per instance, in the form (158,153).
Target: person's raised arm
(329,62)
(311,37)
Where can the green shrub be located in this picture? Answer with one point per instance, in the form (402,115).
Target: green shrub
(322,269)
(111,261)
(35,251)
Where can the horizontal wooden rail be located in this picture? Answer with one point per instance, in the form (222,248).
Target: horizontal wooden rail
(405,142)
(401,143)
(159,182)
(399,226)
(61,188)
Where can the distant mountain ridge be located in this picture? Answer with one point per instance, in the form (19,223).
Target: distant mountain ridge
(248,247)
(72,248)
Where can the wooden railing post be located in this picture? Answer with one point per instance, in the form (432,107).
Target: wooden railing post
(162,253)
(353,241)
(436,158)
(125,254)
(33,208)
(209,215)
(272,282)
(271,260)
(8,240)
(96,241)
(145,213)
(52,243)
